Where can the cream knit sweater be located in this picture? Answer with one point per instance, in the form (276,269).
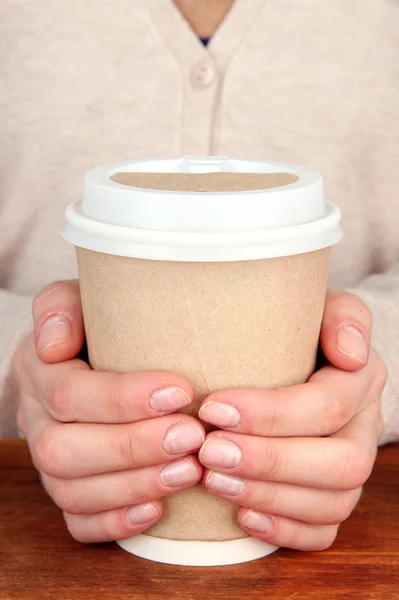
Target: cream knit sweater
(89,82)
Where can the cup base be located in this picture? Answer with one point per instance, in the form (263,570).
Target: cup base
(197,554)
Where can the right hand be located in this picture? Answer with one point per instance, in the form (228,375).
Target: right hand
(106,445)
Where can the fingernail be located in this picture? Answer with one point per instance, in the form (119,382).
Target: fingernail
(141,513)
(183,437)
(54,331)
(169,399)
(178,473)
(350,341)
(225,484)
(222,415)
(220,453)
(257,521)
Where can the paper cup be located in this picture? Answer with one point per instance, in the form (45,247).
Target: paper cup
(212,268)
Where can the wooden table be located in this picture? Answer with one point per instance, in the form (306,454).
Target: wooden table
(39,559)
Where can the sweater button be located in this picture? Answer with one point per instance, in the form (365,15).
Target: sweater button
(203,75)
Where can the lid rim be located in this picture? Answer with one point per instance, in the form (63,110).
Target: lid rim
(80,221)
(204,247)
(205,254)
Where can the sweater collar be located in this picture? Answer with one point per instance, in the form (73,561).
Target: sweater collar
(184,43)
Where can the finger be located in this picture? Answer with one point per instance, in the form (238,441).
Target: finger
(71,391)
(58,322)
(319,507)
(76,450)
(319,407)
(287,533)
(364,429)
(100,493)
(114,524)
(36,378)
(341,462)
(346,331)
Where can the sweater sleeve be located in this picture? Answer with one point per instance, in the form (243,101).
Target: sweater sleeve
(381,294)
(15,324)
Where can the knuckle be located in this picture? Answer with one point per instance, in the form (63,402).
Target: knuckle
(272,464)
(125,445)
(271,502)
(334,411)
(61,491)
(327,536)
(354,304)
(313,538)
(272,418)
(342,506)
(131,491)
(120,399)
(73,524)
(356,467)
(45,452)
(48,290)
(58,399)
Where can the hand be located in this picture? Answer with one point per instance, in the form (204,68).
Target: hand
(105,454)
(295,458)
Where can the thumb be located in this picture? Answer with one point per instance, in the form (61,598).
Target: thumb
(346,331)
(58,322)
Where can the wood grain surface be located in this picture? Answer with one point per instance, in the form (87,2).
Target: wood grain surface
(39,559)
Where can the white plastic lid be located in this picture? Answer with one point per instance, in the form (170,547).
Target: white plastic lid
(202,226)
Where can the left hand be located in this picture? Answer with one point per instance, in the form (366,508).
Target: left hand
(295,458)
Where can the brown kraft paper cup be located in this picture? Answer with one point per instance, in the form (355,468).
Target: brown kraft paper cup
(220,324)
